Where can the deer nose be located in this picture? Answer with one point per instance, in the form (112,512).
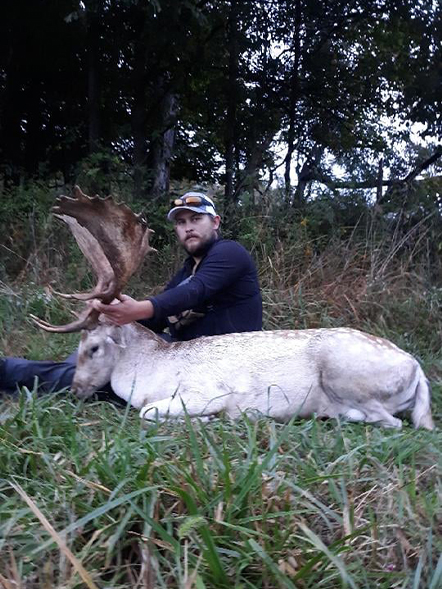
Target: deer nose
(80,391)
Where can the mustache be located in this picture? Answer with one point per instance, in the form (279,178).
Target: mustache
(190,236)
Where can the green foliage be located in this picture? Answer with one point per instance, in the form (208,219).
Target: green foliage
(21,202)
(99,172)
(18,334)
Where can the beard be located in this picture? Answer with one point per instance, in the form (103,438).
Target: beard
(199,249)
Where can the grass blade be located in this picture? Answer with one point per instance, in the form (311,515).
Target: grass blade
(56,537)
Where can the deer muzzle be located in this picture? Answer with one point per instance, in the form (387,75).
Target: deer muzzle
(82,390)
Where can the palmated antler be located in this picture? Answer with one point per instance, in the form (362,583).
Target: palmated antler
(114,240)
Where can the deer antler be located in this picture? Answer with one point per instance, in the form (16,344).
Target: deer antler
(113,239)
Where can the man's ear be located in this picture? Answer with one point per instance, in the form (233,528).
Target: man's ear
(116,336)
(216,222)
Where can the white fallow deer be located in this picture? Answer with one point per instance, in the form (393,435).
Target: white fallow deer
(280,374)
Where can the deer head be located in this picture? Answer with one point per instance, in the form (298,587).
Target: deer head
(113,239)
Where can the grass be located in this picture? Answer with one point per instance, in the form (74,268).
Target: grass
(185,504)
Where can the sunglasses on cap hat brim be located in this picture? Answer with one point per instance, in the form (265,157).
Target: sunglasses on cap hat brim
(191,200)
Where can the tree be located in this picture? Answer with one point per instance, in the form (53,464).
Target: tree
(206,89)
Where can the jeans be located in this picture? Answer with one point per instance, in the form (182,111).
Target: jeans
(51,376)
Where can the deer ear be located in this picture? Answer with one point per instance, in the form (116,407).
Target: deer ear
(116,336)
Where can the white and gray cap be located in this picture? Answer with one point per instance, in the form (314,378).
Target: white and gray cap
(192,201)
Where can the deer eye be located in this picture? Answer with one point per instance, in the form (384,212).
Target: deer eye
(93,350)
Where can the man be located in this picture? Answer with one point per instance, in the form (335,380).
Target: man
(215,292)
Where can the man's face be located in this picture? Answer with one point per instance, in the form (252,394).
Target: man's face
(195,231)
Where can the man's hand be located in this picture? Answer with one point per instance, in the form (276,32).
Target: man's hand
(125,310)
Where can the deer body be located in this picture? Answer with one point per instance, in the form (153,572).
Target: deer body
(327,372)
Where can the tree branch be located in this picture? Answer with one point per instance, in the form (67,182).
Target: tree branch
(374,183)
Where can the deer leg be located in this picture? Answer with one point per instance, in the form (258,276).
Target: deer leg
(179,404)
(354,414)
(373,412)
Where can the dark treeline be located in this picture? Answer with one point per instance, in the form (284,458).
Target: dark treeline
(225,91)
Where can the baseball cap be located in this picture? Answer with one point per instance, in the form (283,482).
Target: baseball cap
(192,201)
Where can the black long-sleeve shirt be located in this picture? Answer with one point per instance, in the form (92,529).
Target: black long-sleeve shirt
(224,288)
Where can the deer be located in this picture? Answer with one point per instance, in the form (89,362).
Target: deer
(340,373)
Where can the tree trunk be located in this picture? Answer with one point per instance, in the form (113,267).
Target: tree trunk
(11,135)
(93,60)
(230,127)
(294,97)
(380,180)
(307,174)
(260,133)
(162,149)
(138,119)
(249,178)
(34,145)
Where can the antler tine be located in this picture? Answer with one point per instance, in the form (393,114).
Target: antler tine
(98,292)
(105,293)
(88,319)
